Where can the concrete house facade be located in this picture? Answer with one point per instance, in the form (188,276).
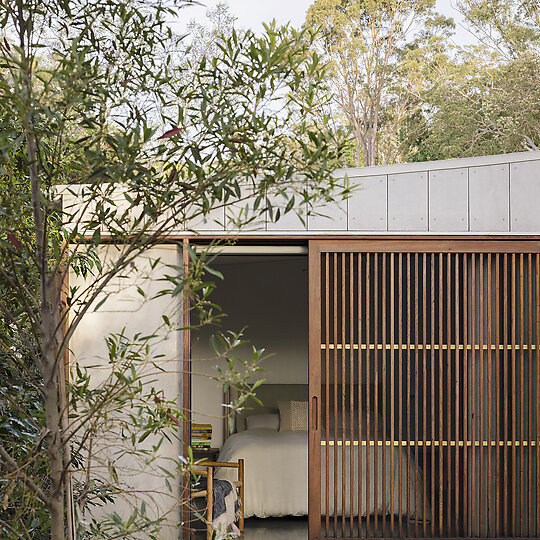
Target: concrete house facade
(414,339)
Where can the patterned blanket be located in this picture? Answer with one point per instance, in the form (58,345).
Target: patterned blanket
(226,503)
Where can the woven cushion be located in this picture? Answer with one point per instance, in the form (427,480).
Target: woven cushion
(293,415)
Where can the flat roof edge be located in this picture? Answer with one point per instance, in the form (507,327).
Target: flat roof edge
(397,168)
(455,163)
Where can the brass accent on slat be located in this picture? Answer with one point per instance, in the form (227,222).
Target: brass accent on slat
(428,346)
(428,443)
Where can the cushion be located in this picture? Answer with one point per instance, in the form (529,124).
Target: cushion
(293,415)
(264,421)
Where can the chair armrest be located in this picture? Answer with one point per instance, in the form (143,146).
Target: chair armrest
(232,465)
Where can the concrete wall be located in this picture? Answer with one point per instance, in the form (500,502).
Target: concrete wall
(268,295)
(126,308)
(481,195)
(484,195)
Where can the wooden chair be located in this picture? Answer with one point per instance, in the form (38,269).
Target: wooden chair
(209,491)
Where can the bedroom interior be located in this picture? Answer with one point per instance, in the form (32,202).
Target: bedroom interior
(268,296)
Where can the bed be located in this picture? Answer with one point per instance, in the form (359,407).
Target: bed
(276,468)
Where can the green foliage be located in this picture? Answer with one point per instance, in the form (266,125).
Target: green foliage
(485,100)
(408,93)
(21,406)
(109,136)
(510,27)
(485,110)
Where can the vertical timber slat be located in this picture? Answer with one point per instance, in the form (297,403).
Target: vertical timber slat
(498,392)
(360,409)
(521,396)
(416,355)
(392,394)
(441,394)
(432,379)
(473,408)
(529,394)
(466,521)
(424,392)
(368,394)
(351,389)
(457,381)
(376,392)
(489,403)
(506,379)
(480,416)
(448,385)
(343,388)
(335,448)
(327,388)
(383,391)
(513,390)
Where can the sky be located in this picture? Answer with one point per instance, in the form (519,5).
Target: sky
(252,13)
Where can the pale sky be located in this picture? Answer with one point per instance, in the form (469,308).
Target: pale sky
(252,13)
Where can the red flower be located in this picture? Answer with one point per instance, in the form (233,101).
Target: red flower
(171,133)
(14,241)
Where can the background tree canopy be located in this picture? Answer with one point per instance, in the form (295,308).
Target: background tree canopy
(407,92)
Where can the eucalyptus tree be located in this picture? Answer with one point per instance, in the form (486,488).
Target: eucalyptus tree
(509,30)
(374,79)
(481,108)
(487,100)
(86,87)
(202,37)
(509,27)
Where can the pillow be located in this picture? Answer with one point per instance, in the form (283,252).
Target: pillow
(264,421)
(293,415)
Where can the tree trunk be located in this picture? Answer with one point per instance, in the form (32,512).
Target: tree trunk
(358,153)
(369,158)
(49,347)
(49,371)
(373,146)
(54,448)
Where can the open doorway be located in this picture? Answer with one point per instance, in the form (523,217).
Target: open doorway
(266,296)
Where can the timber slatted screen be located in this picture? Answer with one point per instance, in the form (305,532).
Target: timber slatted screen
(428,389)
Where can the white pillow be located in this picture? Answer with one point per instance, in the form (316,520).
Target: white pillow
(263,421)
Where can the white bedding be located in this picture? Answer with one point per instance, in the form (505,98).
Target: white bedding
(276,467)
(275,471)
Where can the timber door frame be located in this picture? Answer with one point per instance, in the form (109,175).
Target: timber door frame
(420,245)
(186,395)
(314,390)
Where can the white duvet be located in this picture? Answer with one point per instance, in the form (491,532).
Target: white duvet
(275,472)
(276,476)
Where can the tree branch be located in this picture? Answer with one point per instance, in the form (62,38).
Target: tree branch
(9,528)
(14,468)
